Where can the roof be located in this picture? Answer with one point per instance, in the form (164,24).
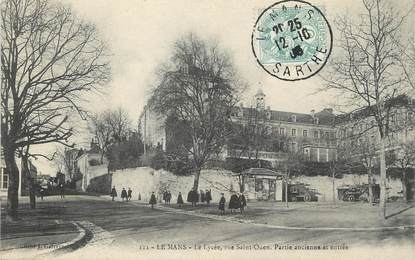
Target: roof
(324,117)
(261,171)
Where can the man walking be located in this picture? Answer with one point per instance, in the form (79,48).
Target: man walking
(62,190)
(130,192)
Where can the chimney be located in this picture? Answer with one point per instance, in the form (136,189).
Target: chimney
(312,112)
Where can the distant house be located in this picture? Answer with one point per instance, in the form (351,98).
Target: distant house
(89,165)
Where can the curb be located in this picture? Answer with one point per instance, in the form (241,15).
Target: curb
(58,249)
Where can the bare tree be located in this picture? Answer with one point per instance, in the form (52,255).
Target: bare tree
(200,87)
(366,70)
(108,127)
(49,59)
(119,123)
(65,160)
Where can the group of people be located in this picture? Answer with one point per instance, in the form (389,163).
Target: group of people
(194,197)
(237,201)
(166,197)
(125,195)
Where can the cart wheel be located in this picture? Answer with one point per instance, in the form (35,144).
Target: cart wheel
(294,199)
(351,198)
(307,197)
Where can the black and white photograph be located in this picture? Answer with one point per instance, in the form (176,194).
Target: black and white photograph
(196,129)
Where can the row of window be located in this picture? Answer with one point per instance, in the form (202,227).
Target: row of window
(305,133)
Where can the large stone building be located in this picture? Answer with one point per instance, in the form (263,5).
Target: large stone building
(312,134)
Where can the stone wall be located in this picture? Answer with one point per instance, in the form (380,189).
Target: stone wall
(145,180)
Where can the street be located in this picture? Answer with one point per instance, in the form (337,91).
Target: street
(134,227)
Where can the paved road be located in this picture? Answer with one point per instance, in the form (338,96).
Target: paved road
(134,227)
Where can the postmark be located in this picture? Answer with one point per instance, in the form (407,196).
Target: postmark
(292,40)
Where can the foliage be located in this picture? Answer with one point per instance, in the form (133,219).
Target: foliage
(100,184)
(126,153)
(238,165)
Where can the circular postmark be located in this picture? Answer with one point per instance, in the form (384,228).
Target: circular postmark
(292,40)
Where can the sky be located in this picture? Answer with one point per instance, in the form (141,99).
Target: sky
(140,35)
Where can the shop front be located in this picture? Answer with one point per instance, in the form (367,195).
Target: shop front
(262,184)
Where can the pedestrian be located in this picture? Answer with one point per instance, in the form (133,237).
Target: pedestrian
(195,197)
(202,196)
(190,196)
(208,196)
(222,202)
(113,193)
(153,200)
(139,196)
(242,201)
(62,190)
(165,196)
(234,202)
(180,200)
(129,195)
(42,193)
(168,197)
(124,194)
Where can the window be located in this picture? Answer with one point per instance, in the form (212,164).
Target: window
(316,121)
(294,132)
(268,115)
(326,135)
(259,185)
(305,133)
(282,131)
(410,115)
(315,134)
(293,118)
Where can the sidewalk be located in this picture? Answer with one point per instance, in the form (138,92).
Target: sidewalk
(36,232)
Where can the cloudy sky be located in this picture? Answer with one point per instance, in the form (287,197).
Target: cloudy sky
(141,33)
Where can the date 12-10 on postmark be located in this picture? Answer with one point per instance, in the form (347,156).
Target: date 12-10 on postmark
(292,40)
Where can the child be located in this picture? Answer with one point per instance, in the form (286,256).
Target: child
(242,201)
(222,202)
(113,193)
(124,194)
(180,200)
(152,200)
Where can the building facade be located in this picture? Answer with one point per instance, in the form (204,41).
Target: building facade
(281,132)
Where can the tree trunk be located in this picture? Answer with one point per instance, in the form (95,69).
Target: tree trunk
(286,187)
(369,181)
(13,185)
(333,179)
(382,196)
(404,190)
(32,193)
(29,181)
(196,180)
